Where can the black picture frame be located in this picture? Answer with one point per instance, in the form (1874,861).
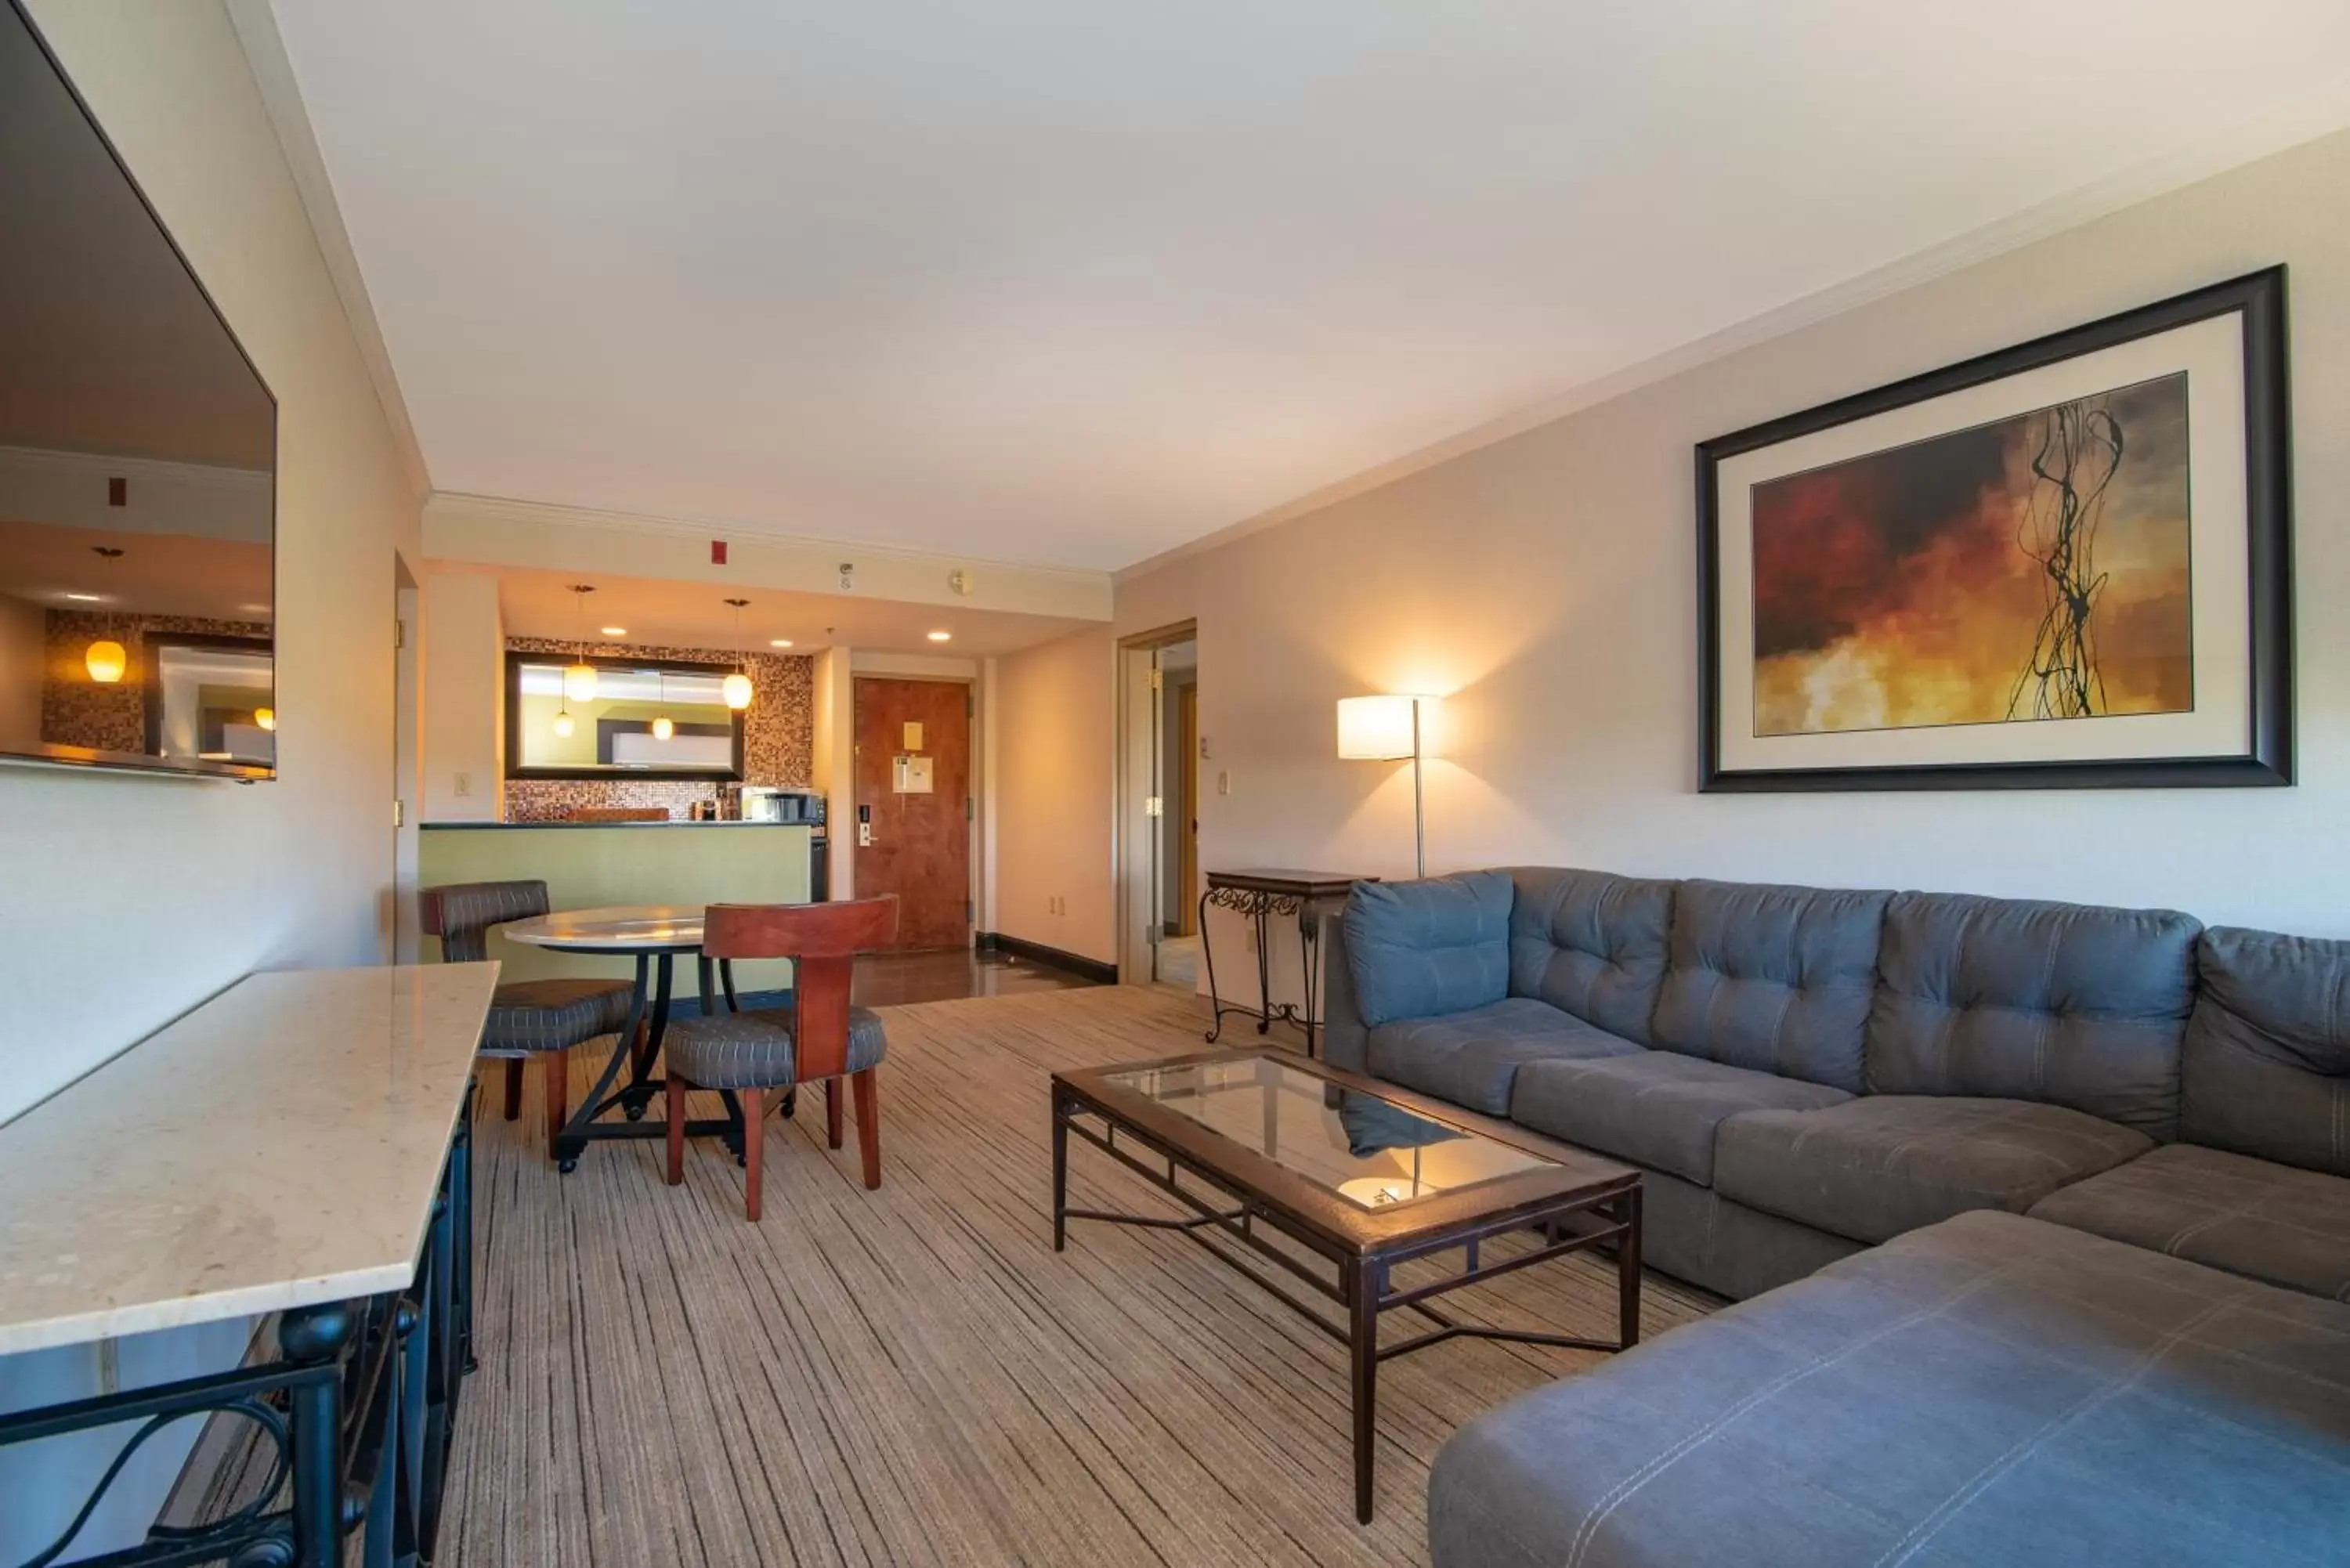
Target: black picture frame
(514,768)
(2261,298)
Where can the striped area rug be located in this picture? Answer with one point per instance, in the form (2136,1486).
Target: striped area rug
(912,1376)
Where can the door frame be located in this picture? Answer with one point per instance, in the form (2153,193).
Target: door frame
(873,666)
(1136,777)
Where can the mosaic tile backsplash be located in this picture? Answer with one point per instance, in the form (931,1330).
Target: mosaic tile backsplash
(79,711)
(778,736)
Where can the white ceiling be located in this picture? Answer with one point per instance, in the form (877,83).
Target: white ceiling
(1075,281)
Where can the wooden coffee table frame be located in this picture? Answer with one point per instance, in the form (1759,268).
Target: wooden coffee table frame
(1578,1202)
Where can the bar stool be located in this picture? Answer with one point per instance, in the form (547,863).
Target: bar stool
(541,1018)
(819,1037)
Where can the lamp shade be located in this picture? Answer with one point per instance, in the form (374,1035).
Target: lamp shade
(1379,729)
(736,689)
(579,682)
(106,661)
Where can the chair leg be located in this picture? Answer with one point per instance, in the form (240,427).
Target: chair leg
(755,1140)
(557,1076)
(513,1087)
(676,1092)
(868,1088)
(832,1113)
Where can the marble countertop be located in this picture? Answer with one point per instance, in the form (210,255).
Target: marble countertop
(277,1147)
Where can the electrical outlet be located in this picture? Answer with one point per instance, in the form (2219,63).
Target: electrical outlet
(465,784)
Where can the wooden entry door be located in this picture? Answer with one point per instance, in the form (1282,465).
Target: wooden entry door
(916,801)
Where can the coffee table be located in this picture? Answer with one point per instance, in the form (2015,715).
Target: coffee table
(1362,1175)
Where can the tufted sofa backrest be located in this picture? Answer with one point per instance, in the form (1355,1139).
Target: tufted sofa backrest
(1776,978)
(2068,1004)
(2267,1054)
(1590,943)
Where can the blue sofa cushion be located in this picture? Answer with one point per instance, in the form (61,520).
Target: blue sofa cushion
(1421,950)
(1994,1390)
(2062,1003)
(2267,1054)
(1775,978)
(2251,1217)
(1472,1058)
(1590,943)
(1873,1168)
(1657,1109)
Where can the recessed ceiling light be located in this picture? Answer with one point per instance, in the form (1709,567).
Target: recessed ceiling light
(616,631)
(84,599)
(780,642)
(942,636)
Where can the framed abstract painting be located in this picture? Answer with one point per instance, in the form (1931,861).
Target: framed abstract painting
(2065,564)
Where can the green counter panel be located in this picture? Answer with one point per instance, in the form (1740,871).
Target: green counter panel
(588,866)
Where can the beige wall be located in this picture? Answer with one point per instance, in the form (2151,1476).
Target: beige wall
(464,674)
(23,650)
(1546,583)
(1053,810)
(126,900)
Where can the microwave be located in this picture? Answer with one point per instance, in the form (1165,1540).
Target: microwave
(761,804)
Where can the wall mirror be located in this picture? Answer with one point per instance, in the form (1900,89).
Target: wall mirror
(644,719)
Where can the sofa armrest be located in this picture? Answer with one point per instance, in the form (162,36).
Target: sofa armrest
(1345,1039)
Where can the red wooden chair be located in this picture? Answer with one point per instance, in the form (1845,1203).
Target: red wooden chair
(820,1037)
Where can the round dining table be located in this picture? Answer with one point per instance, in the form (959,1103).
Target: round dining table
(653,935)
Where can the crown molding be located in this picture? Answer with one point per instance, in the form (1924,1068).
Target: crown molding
(67,490)
(2273,133)
(281,96)
(446,502)
(97,465)
(499,532)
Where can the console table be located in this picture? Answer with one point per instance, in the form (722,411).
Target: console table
(297,1145)
(1258,894)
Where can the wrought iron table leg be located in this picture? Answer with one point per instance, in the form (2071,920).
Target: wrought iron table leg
(642,1086)
(310,1337)
(1309,955)
(1208,957)
(1628,1271)
(1060,1173)
(1264,972)
(1364,1286)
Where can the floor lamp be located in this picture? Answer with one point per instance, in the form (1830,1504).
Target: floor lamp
(1388,729)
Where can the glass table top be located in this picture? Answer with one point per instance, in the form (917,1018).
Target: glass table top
(1369,1150)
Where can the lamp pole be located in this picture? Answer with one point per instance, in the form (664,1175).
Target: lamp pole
(1418,805)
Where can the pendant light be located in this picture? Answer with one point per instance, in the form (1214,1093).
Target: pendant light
(736,688)
(663,726)
(266,717)
(562,724)
(106,660)
(579,676)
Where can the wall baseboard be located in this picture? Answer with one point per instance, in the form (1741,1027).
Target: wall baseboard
(1094,969)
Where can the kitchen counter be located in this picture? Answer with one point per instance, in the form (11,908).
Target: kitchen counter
(590,865)
(575,826)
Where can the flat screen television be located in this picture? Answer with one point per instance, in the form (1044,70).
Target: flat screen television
(138,466)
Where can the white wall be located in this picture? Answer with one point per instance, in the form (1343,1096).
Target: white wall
(462,671)
(834,757)
(1053,806)
(1547,585)
(127,900)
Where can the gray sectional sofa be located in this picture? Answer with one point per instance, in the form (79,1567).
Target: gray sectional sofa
(2034,1204)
